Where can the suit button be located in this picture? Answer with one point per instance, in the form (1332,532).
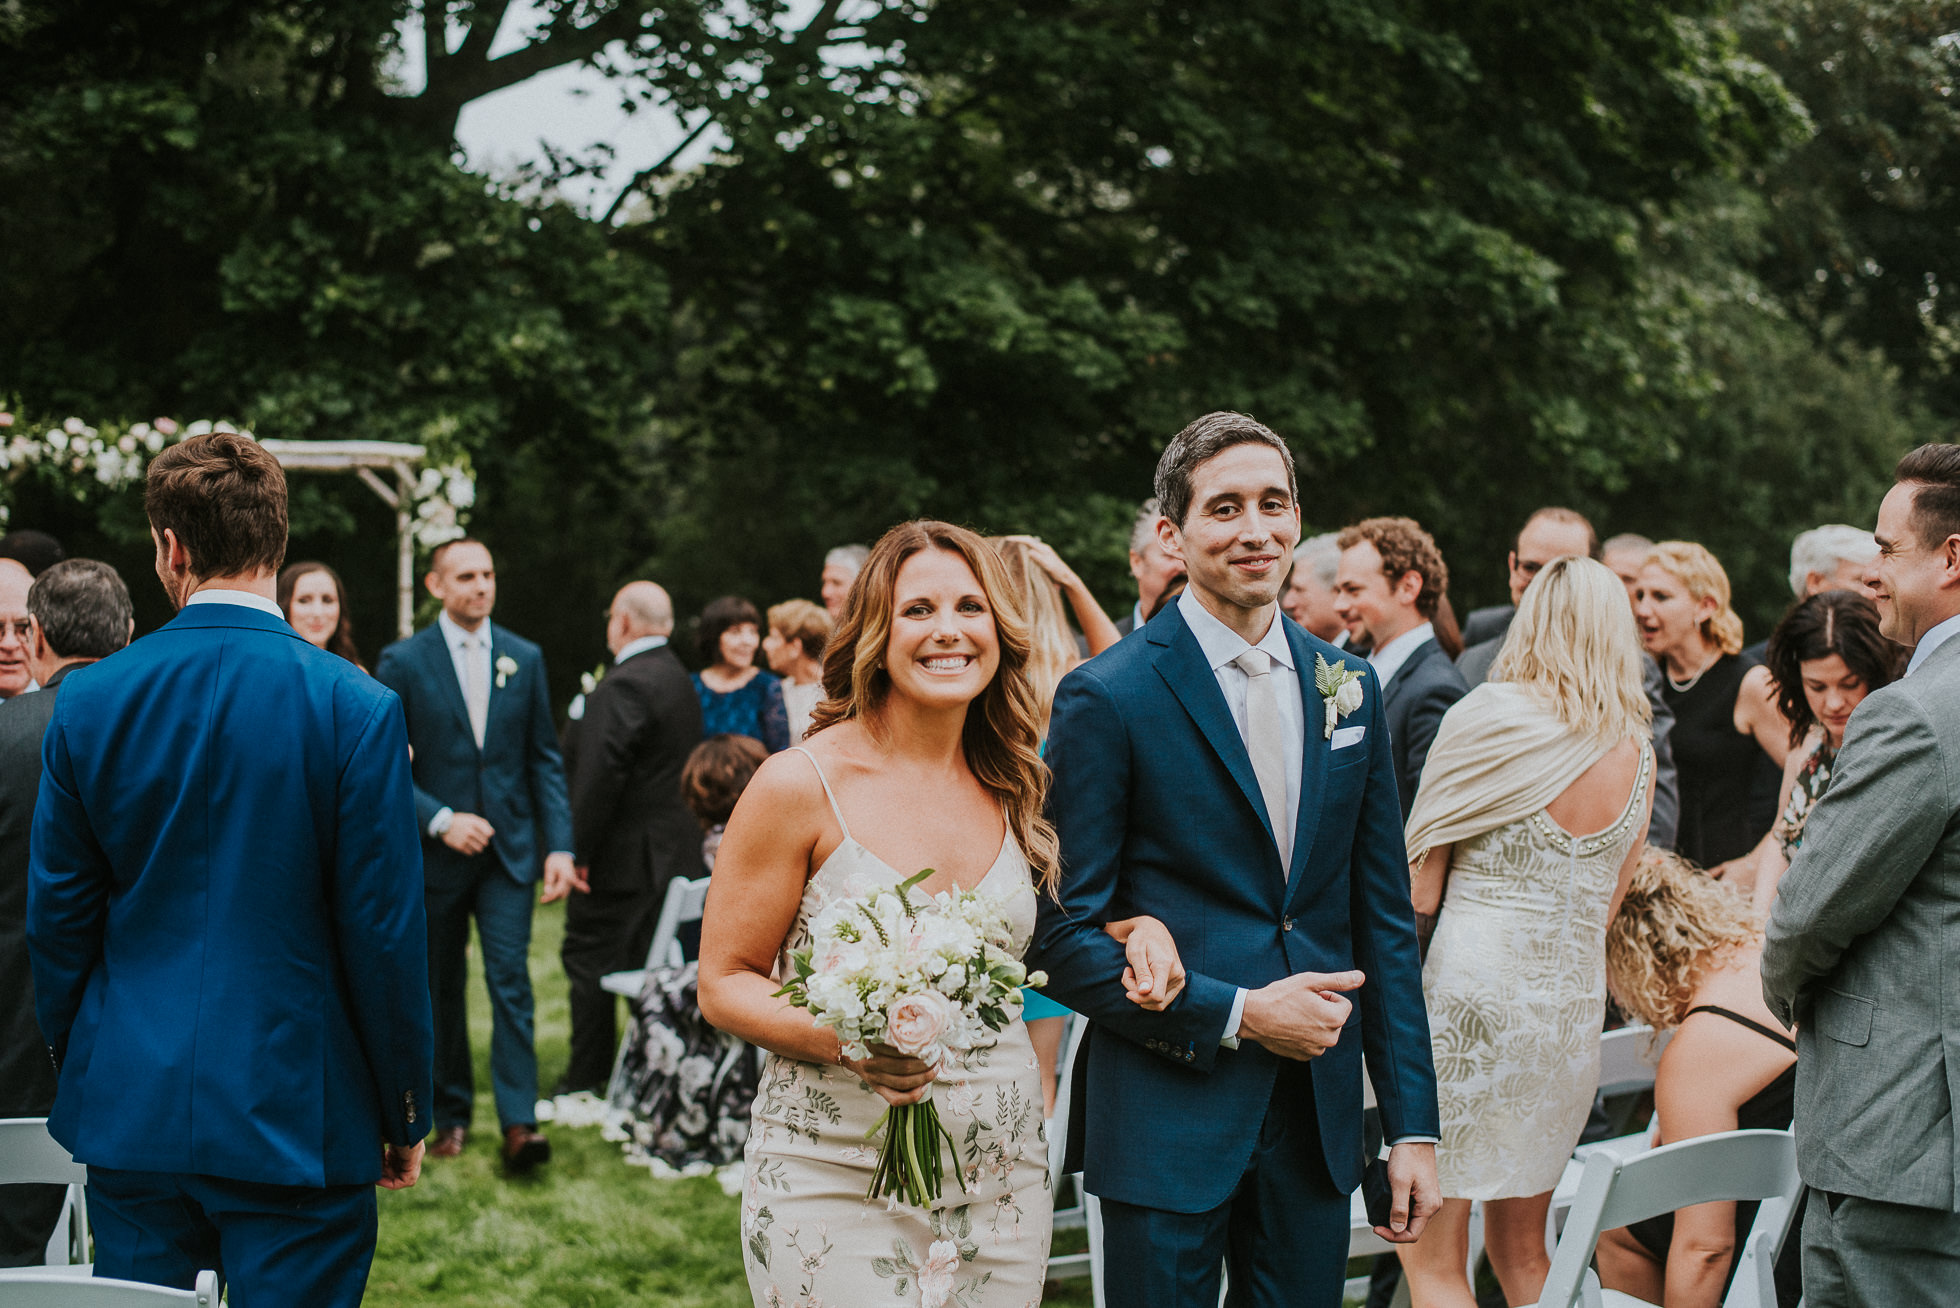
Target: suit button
(1286,924)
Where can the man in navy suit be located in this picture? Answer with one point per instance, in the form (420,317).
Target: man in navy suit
(1203,777)
(1390,584)
(225,918)
(490,801)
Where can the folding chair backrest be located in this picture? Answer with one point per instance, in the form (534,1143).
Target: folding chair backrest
(1754,1283)
(1078,1027)
(28,1154)
(30,1288)
(1734,1165)
(1629,1057)
(686,900)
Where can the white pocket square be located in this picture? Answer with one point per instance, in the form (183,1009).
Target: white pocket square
(1345,736)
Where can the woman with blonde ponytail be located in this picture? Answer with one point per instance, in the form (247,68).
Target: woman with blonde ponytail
(1729,737)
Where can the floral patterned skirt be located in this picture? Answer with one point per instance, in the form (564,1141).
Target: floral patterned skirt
(809,1238)
(686,1089)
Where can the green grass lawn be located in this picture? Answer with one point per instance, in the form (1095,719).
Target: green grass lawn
(586,1231)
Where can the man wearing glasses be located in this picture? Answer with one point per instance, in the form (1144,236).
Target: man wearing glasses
(15,678)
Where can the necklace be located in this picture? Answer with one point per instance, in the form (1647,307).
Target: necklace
(1683,687)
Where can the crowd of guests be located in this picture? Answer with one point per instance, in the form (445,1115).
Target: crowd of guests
(1604,785)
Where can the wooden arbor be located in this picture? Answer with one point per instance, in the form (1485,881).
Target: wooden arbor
(368,460)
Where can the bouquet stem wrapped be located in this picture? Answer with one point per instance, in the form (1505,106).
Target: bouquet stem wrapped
(929,976)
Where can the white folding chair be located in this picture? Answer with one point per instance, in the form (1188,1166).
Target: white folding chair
(1629,1056)
(30,1156)
(1086,1213)
(687,899)
(1614,1192)
(38,1288)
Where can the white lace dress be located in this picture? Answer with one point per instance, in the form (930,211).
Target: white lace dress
(1516,988)
(809,1239)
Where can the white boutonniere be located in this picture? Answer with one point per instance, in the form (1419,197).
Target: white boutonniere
(1340,686)
(506,668)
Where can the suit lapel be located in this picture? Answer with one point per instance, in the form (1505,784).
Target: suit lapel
(501,697)
(442,670)
(1393,690)
(1182,666)
(1313,754)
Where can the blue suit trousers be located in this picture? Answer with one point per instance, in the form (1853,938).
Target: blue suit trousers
(1281,1234)
(271,1244)
(502,909)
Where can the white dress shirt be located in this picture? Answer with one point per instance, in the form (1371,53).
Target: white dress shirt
(220,595)
(1931,641)
(1388,660)
(1222,646)
(640,646)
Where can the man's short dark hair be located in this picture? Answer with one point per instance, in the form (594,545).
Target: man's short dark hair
(1405,547)
(1572,517)
(1935,471)
(442,550)
(83,608)
(1202,440)
(34,550)
(225,498)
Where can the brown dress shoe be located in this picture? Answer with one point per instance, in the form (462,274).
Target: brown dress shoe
(447,1142)
(525,1148)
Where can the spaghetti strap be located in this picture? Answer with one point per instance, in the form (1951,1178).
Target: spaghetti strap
(1755,1026)
(828,794)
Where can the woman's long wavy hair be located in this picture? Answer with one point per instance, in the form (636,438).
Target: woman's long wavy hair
(1674,922)
(1052,646)
(1573,644)
(342,640)
(1700,572)
(1840,622)
(1002,736)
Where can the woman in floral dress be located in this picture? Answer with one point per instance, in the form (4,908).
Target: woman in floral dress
(923,754)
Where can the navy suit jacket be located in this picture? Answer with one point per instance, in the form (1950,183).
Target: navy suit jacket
(1159,813)
(1415,699)
(225,909)
(516,782)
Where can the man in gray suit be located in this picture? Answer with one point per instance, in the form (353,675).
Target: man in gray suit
(1864,934)
(74,613)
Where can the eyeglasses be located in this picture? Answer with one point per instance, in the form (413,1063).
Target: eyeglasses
(21,629)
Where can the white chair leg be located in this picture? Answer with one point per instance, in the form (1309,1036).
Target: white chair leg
(1092,1214)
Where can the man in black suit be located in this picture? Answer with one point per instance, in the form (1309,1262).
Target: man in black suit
(632,831)
(76,612)
(1391,581)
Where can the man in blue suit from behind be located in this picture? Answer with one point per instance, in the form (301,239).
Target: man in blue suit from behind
(1199,779)
(225,920)
(491,803)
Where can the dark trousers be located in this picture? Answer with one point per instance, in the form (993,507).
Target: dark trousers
(502,909)
(273,1244)
(608,930)
(1283,1234)
(28,1214)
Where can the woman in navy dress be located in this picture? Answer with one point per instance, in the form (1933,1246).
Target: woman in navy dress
(738,698)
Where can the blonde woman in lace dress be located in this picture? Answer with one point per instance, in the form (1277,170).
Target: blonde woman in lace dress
(923,754)
(1531,814)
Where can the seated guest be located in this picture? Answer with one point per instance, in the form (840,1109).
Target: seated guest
(840,569)
(1825,657)
(313,600)
(1392,580)
(1684,954)
(1727,727)
(688,1089)
(77,612)
(736,696)
(1309,595)
(798,631)
(15,679)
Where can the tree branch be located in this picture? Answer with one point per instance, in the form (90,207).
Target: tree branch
(554,50)
(435,37)
(485,22)
(647,174)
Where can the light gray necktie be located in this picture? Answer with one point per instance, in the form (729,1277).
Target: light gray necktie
(476,687)
(1263,736)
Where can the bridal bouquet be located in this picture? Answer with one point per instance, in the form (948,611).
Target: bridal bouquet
(931,976)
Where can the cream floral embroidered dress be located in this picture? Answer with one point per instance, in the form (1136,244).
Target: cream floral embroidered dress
(809,1239)
(1516,987)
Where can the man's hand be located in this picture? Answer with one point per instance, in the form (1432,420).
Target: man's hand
(1299,1016)
(1415,1195)
(400,1168)
(562,877)
(468,833)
